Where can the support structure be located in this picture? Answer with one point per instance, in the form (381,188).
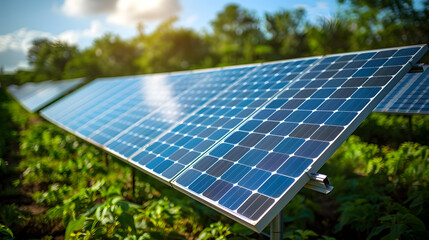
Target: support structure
(276,227)
(410,126)
(319,182)
(133,181)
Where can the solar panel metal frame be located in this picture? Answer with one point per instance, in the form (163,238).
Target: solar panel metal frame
(319,162)
(49,99)
(395,98)
(294,189)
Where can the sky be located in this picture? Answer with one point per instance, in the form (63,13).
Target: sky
(81,21)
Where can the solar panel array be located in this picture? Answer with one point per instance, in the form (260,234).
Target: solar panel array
(240,139)
(409,96)
(34,96)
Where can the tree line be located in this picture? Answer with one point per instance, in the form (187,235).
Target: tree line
(237,36)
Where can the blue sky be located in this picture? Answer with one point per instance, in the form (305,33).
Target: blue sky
(81,21)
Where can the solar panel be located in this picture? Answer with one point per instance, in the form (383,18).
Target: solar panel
(409,96)
(34,96)
(240,139)
(256,169)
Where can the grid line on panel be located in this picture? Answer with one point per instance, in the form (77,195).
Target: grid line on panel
(184,143)
(172,127)
(64,112)
(54,111)
(131,103)
(402,86)
(109,110)
(183,106)
(410,95)
(100,107)
(105,93)
(289,134)
(142,119)
(411,98)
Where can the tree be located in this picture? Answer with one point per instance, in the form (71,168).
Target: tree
(331,35)
(49,58)
(237,37)
(170,49)
(109,56)
(389,23)
(287,35)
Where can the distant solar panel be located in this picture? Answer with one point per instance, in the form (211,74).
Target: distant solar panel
(34,96)
(240,139)
(409,96)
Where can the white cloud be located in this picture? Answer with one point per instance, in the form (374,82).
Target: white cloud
(124,12)
(21,39)
(74,36)
(88,7)
(14,46)
(130,12)
(322,5)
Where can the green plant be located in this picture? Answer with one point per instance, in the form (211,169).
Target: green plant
(54,195)
(113,219)
(11,215)
(5,233)
(216,230)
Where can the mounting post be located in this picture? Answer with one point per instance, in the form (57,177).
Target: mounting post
(417,68)
(410,126)
(276,227)
(105,158)
(133,181)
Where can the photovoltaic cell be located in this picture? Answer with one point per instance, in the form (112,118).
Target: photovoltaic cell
(34,96)
(240,139)
(184,143)
(409,96)
(174,111)
(268,155)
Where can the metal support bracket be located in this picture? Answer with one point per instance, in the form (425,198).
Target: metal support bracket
(417,68)
(319,182)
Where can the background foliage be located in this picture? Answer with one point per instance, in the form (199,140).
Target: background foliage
(55,186)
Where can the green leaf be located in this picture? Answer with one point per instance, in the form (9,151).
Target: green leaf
(74,225)
(127,220)
(5,233)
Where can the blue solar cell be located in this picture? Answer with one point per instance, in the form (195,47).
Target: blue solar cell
(253,157)
(254,179)
(294,166)
(276,185)
(235,197)
(289,145)
(217,190)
